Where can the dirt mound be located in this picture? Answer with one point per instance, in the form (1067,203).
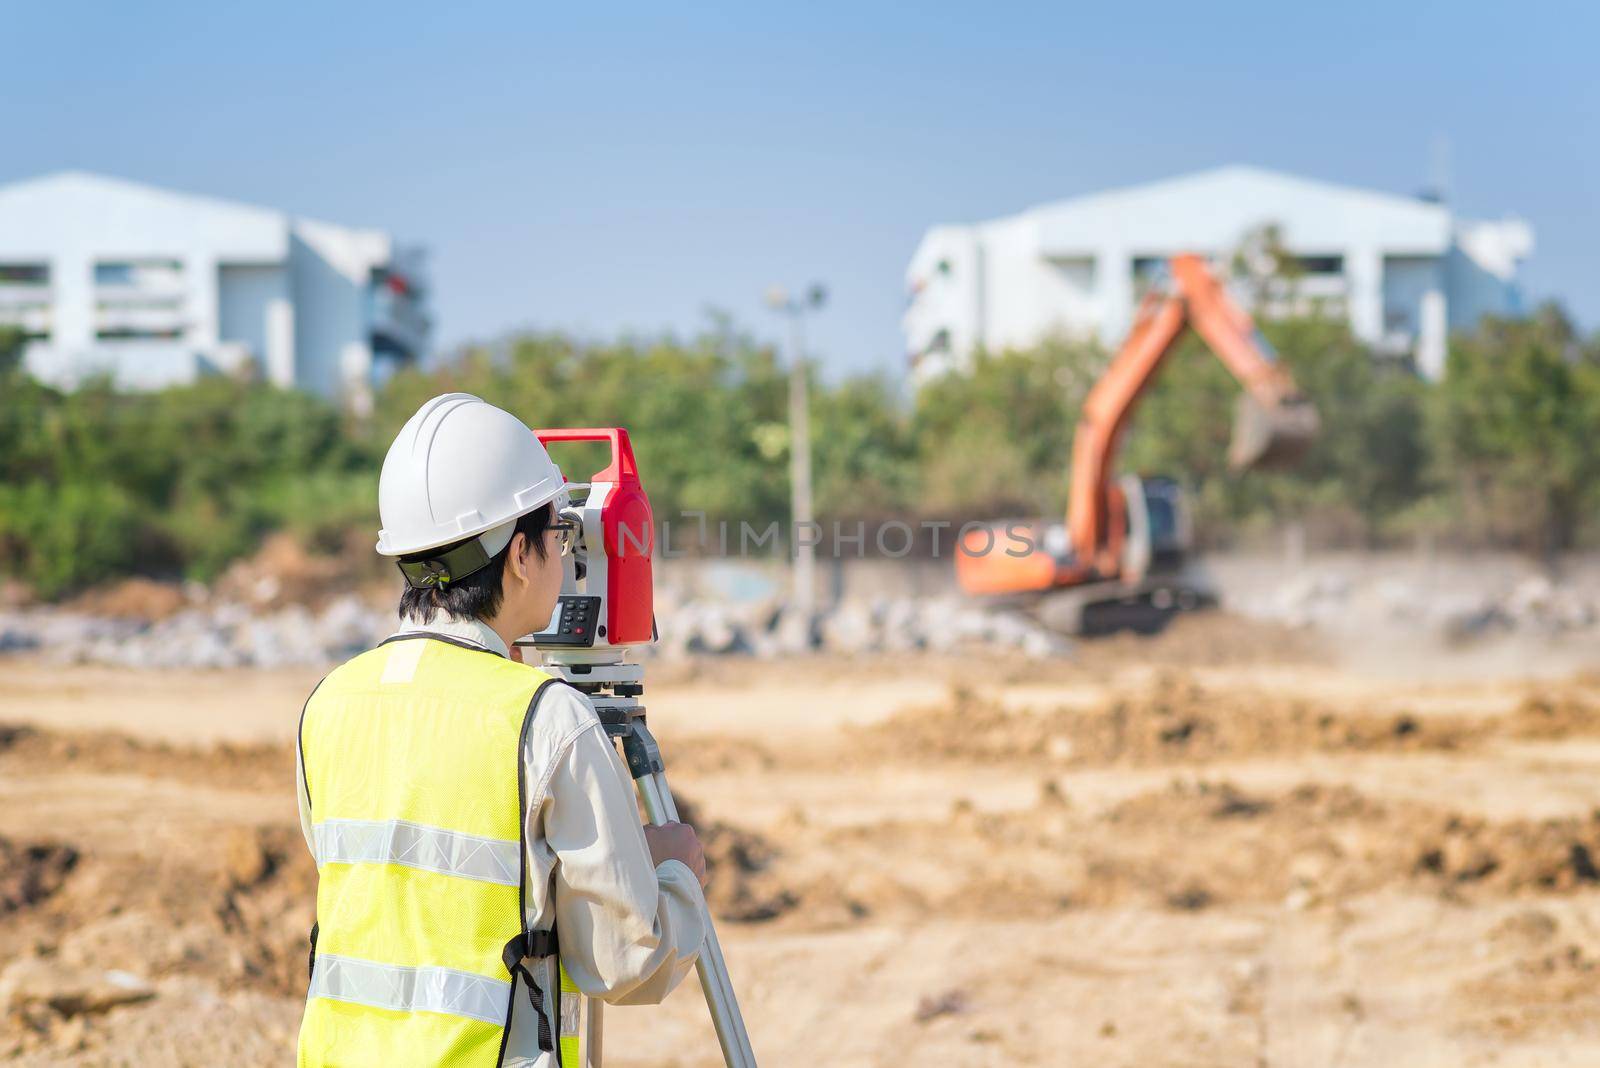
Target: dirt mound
(264,767)
(1201,844)
(268,890)
(32,871)
(1335,841)
(739,862)
(135,598)
(1550,856)
(712,753)
(235,914)
(266,867)
(1209,639)
(223,905)
(1192,846)
(1175,720)
(284,572)
(1539,990)
(228,937)
(1557,713)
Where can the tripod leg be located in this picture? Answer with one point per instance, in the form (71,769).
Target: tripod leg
(593,1033)
(645,761)
(711,966)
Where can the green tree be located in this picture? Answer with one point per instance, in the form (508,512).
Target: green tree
(864,451)
(98,483)
(997,440)
(12,340)
(1514,422)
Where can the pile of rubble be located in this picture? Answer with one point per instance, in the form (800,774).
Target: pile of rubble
(223,635)
(1332,599)
(1534,604)
(879,625)
(231,634)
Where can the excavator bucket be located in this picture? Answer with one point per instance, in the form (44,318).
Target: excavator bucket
(1271,437)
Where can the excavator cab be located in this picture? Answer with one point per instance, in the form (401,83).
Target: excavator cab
(1160,534)
(1156,576)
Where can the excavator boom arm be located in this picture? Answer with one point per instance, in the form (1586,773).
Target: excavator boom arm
(1230,333)
(1279,422)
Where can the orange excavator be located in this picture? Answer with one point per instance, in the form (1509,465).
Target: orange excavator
(1123,557)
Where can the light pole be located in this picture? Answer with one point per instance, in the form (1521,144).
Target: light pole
(805,561)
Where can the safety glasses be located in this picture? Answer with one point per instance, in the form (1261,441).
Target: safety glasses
(567,533)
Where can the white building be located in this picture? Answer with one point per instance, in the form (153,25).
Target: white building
(156,288)
(1403,271)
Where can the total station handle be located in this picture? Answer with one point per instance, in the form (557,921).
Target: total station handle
(623,469)
(625,529)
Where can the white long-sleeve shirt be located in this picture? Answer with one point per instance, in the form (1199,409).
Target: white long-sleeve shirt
(630,930)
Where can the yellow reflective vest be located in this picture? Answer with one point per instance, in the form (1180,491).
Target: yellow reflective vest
(412,760)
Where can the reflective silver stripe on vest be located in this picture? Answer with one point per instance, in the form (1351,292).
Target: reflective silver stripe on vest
(570,1010)
(415,845)
(393,986)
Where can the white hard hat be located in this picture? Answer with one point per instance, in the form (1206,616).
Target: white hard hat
(461,467)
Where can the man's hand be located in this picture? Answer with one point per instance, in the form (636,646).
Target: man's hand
(677,841)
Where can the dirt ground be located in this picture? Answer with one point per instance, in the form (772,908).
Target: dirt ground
(1219,846)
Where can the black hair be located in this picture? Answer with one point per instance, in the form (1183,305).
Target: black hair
(475,596)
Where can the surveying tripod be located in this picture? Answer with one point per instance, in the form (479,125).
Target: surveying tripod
(613,689)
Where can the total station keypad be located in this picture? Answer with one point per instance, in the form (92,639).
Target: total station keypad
(575,622)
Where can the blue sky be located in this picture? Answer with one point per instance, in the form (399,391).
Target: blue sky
(626,166)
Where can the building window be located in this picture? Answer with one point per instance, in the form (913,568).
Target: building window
(1320,264)
(1149,274)
(25,299)
(24,274)
(1407,281)
(139,274)
(1148,268)
(139,319)
(138,333)
(139,300)
(398,325)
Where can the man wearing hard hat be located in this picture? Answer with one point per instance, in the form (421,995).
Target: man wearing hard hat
(479,853)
